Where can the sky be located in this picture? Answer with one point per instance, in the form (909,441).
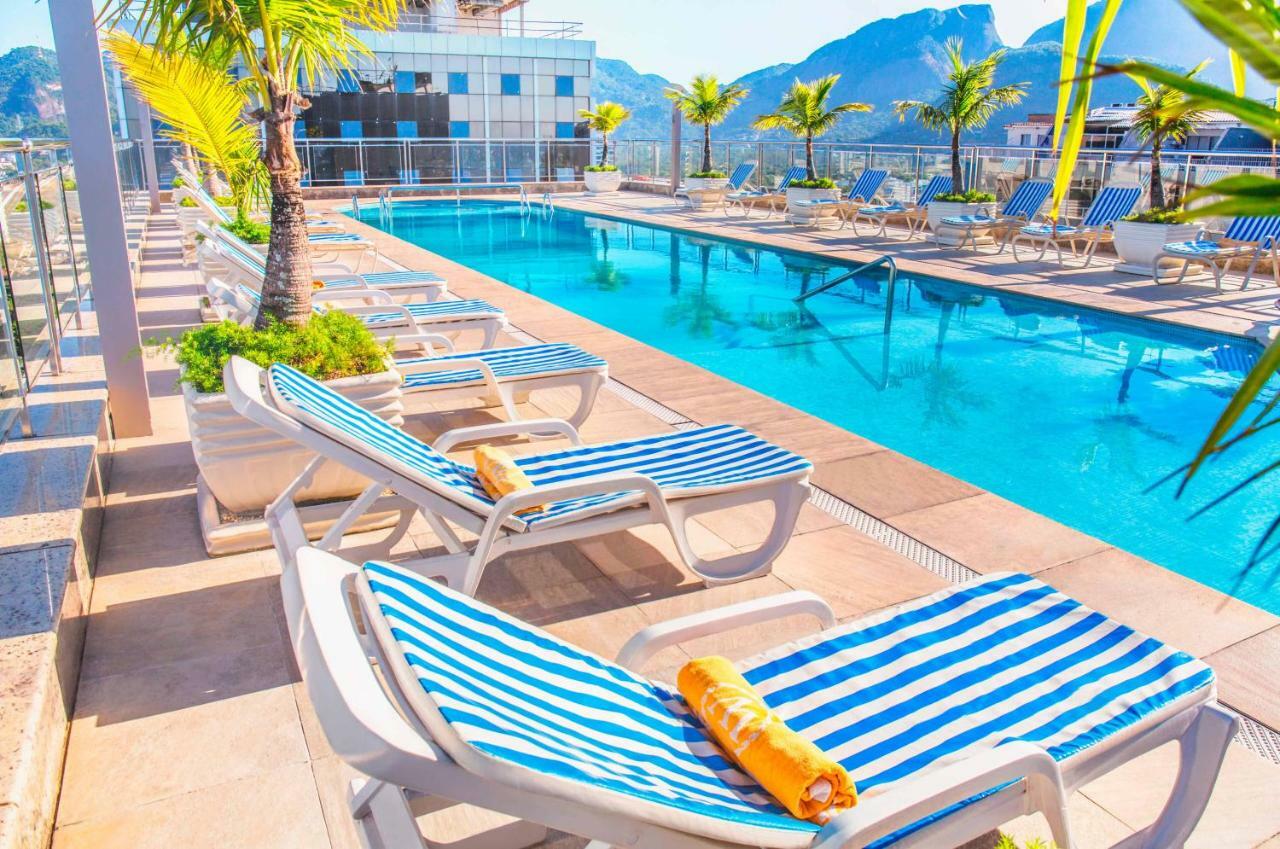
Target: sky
(679,38)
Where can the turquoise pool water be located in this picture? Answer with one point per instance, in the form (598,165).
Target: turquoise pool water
(1070,412)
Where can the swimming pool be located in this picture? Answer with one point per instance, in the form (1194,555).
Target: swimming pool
(1070,412)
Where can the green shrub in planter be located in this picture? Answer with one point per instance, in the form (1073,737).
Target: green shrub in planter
(69,184)
(187,203)
(971,196)
(1156,216)
(820,183)
(597,168)
(329,346)
(177,183)
(253,232)
(21,206)
(708,175)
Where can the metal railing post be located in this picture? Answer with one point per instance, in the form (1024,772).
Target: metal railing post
(71,250)
(40,242)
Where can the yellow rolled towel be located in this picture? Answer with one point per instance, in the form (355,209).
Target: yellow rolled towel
(499,475)
(804,779)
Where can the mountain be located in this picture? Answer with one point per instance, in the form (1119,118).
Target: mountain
(1179,40)
(31,94)
(641,93)
(903,58)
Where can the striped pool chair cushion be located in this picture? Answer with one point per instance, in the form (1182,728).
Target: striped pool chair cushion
(1204,248)
(1236,358)
(1048,230)
(459,310)
(939,185)
(793,173)
(1002,658)
(882,209)
(1027,199)
(684,463)
(392,279)
(1260,228)
(741,174)
(968,220)
(868,184)
(337,238)
(507,364)
(1111,204)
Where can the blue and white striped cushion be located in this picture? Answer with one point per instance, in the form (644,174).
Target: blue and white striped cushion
(939,185)
(337,238)
(793,173)
(968,220)
(868,184)
(1111,204)
(741,174)
(438,311)
(1254,228)
(392,279)
(1200,248)
(507,364)
(1049,230)
(882,209)
(1028,199)
(911,689)
(682,463)
(1236,358)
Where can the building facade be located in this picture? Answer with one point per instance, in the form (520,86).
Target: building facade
(1110,128)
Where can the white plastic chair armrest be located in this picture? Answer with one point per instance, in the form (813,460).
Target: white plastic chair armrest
(355,280)
(476,433)
(913,800)
(490,379)
(617,482)
(653,639)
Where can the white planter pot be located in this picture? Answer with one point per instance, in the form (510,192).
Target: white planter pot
(700,189)
(602,182)
(246,466)
(939,210)
(1137,244)
(795,196)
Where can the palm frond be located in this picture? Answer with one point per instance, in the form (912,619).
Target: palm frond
(803,110)
(706,102)
(607,116)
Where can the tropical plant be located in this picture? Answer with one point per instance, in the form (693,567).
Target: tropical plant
(706,103)
(970,196)
(1163,116)
(1247,30)
(967,103)
(201,108)
(804,113)
(280,45)
(606,119)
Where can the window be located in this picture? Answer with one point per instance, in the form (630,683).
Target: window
(407,129)
(510,83)
(347,81)
(1026,140)
(459,129)
(459,83)
(564,86)
(405,82)
(350,129)
(564,129)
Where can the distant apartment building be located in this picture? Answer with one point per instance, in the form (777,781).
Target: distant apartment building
(461,91)
(1109,128)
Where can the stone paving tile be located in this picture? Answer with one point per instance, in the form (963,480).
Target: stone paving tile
(1247,676)
(1182,612)
(885,483)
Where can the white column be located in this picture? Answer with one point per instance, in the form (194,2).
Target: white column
(150,173)
(75,38)
(676,127)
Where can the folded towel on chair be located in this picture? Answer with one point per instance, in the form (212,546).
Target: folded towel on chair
(499,475)
(805,780)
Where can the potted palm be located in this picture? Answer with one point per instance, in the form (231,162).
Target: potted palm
(967,103)
(1163,115)
(604,176)
(707,104)
(805,114)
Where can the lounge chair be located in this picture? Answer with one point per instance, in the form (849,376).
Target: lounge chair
(246,264)
(865,190)
(715,198)
(1112,203)
(316,225)
(1248,238)
(746,199)
(420,325)
(585,491)
(954,714)
(1020,209)
(915,215)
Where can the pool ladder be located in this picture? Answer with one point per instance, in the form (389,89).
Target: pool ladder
(548,207)
(886,261)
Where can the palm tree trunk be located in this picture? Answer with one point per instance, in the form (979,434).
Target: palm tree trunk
(286,287)
(808,158)
(957,174)
(706,147)
(604,148)
(1157,179)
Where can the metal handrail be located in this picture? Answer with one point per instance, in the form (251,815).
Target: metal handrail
(384,196)
(885,260)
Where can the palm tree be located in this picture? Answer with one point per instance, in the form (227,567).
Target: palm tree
(968,101)
(803,112)
(607,118)
(706,103)
(200,110)
(274,42)
(1164,114)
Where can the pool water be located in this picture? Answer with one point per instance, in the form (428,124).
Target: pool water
(1073,413)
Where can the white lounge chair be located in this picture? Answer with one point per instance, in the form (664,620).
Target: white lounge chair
(1249,238)
(954,714)
(913,215)
(214,211)
(1020,209)
(245,264)
(1112,203)
(585,490)
(866,190)
(715,198)
(745,200)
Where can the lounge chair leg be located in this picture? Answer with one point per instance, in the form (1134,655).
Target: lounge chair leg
(588,389)
(382,816)
(1203,747)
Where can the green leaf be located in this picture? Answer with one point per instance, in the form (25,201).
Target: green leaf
(1237,73)
(1247,27)
(1072,35)
(1201,95)
(1253,384)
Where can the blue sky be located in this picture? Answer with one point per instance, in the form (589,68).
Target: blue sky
(678,38)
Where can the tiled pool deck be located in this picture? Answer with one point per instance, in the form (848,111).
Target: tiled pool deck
(192,727)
